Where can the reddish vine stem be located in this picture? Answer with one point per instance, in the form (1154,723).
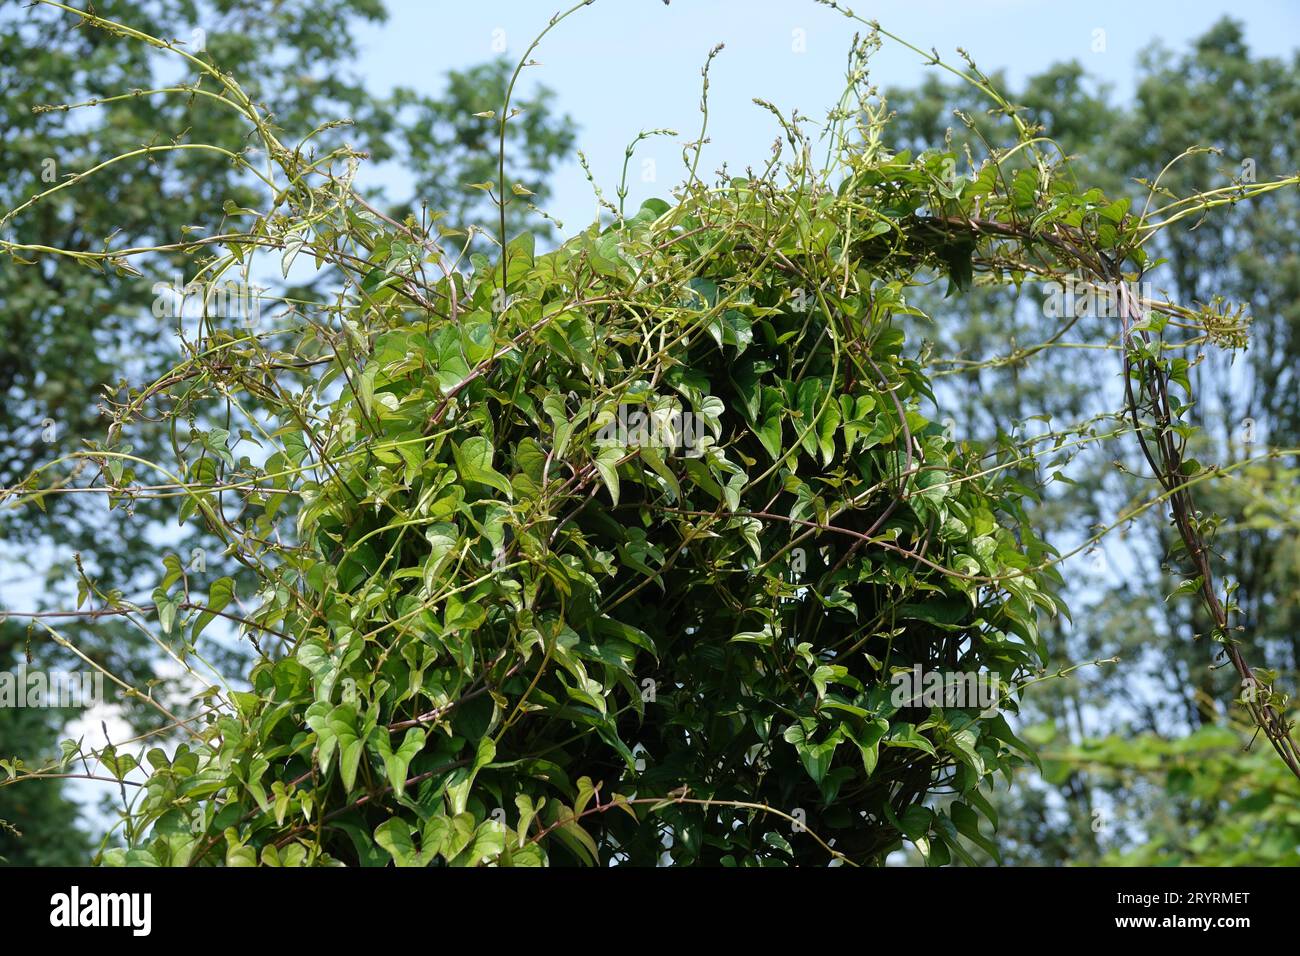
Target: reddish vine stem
(1166,465)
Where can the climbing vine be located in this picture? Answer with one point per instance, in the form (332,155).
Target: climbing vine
(612,552)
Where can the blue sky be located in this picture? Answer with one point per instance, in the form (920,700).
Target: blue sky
(620,66)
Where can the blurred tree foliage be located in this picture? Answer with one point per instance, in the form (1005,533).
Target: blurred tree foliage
(1206,799)
(39,826)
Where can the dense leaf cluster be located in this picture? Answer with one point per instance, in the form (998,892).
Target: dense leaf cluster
(652,517)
